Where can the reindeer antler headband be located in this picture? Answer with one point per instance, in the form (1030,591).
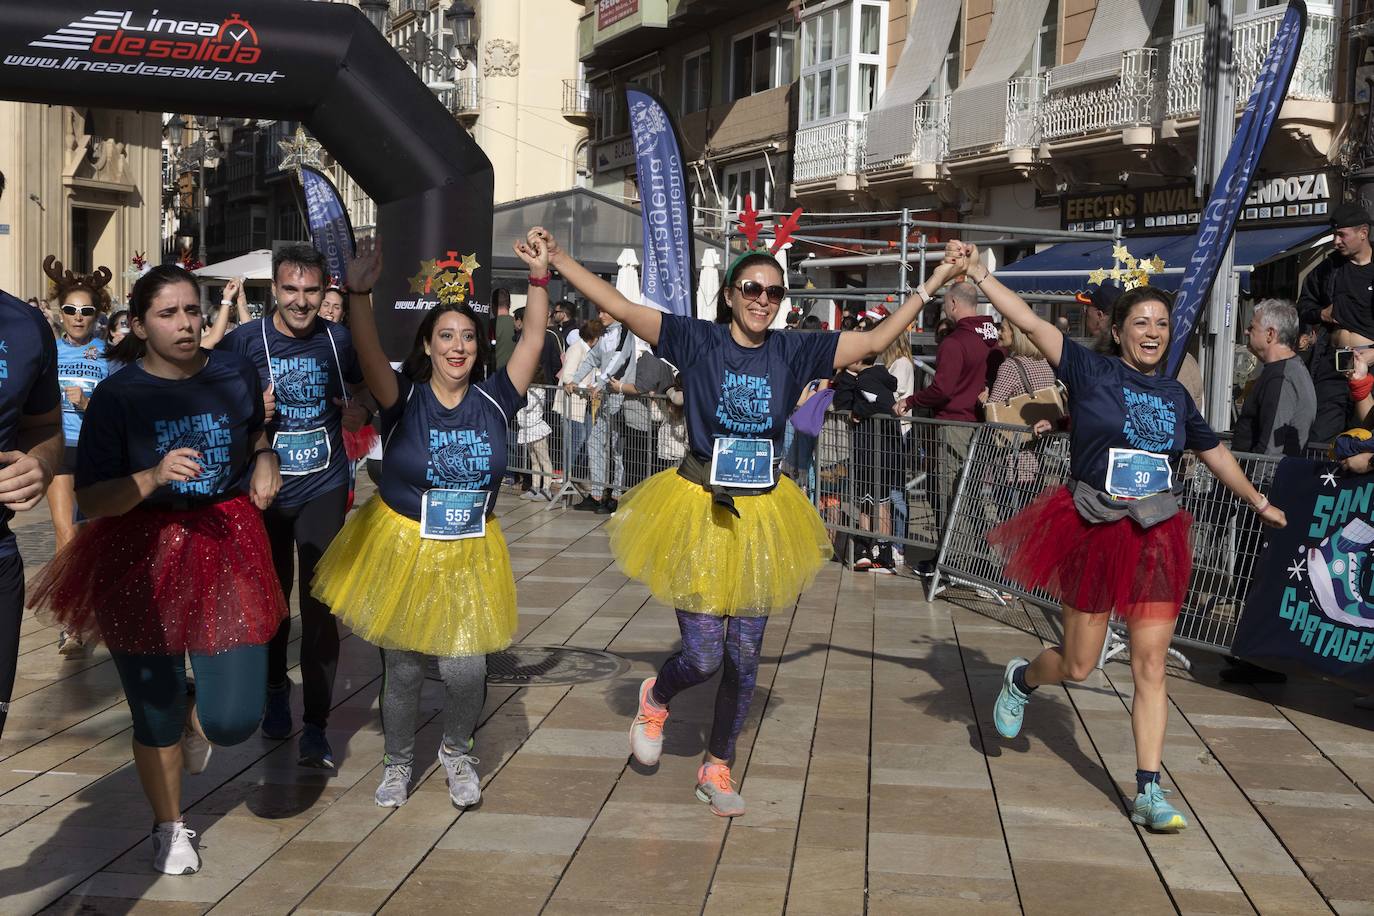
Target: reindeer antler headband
(65,280)
(751,227)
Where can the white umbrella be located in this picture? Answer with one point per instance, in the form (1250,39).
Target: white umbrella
(627,278)
(708,284)
(256,265)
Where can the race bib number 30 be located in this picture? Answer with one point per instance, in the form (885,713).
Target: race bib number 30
(744,463)
(452,515)
(1133,474)
(303,452)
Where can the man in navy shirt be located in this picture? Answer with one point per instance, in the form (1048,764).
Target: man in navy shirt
(30,448)
(314,377)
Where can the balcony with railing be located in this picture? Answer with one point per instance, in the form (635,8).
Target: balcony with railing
(1097,102)
(1314,77)
(463,98)
(826,151)
(929,141)
(577,101)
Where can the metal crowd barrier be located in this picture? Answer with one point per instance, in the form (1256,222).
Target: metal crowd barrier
(1007,468)
(579,444)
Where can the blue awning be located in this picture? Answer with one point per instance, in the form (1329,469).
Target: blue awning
(1069,263)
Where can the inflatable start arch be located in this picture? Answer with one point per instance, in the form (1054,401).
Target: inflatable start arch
(322,64)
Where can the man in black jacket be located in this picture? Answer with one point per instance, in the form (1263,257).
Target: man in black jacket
(1338,299)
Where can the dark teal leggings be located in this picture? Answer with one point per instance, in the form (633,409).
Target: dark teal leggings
(231,689)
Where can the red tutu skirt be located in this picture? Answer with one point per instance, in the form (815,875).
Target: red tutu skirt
(1118,566)
(357,445)
(162,582)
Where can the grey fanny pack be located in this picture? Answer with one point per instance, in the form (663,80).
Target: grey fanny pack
(699,472)
(1098,507)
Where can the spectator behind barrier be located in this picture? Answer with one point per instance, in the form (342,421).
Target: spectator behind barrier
(867,390)
(1277,415)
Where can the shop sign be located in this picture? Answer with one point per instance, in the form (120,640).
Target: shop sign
(609,12)
(1281,200)
(615,154)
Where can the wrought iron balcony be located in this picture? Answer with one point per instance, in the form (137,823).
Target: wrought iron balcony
(828,150)
(1314,77)
(1127,96)
(463,98)
(929,138)
(577,101)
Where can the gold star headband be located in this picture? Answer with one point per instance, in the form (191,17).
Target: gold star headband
(1128,272)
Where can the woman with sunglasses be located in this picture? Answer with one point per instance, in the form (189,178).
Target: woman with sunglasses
(724,538)
(81,365)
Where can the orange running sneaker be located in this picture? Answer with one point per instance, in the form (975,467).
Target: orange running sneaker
(713,786)
(646,732)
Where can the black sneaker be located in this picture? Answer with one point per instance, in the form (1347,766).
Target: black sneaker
(587,505)
(315,751)
(606,507)
(276,719)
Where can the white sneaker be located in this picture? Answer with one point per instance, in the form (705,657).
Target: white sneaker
(173,853)
(72,647)
(464,786)
(195,750)
(530,495)
(395,787)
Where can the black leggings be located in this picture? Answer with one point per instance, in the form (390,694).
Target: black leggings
(11,612)
(306,529)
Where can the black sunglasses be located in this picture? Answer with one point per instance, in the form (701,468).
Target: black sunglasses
(85,311)
(753,289)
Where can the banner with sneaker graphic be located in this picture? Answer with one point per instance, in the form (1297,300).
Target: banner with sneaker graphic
(1311,604)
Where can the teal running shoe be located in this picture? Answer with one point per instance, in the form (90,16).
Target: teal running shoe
(1011,702)
(1152,810)
(1335,568)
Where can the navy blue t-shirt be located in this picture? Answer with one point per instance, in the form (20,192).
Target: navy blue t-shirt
(28,381)
(735,391)
(78,367)
(307,376)
(135,418)
(1112,406)
(428,446)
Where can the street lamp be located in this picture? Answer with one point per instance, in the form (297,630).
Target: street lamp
(378,12)
(458,20)
(214,137)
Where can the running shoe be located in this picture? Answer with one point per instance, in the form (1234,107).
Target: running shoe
(395,786)
(195,750)
(715,788)
(72,647)
(587,505)
(530,495)
(646,732)
(173,853)
(464,786)
(1153,811)
(1011,702)
(1335,568)
(863,564)
(314,749)
(276,719)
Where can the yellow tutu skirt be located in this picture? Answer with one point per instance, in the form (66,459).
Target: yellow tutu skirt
(698,557)
(398,590)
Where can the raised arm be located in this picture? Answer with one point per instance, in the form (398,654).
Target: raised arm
(524,361)
(642,320)
(1046,337)
(856,345)
(363,270)
(215,333)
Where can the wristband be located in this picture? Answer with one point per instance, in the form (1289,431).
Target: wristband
(267,451)
(226,302)
(1361,387)
(924,296)
(542,282)
(1263,504)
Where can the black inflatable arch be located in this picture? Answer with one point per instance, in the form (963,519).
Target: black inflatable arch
(322,64)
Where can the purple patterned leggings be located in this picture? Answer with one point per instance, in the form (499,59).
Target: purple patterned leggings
(707,641)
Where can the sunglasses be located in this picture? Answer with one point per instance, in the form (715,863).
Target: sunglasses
(85,311)
(753,289)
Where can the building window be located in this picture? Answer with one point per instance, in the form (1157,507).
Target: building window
(764,59)
(1044,53)
(696,81)
(843,60)
(749,177)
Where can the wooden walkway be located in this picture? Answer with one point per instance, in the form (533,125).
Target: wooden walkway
(873,777)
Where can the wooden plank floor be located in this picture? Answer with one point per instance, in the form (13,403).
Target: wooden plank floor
(874,780)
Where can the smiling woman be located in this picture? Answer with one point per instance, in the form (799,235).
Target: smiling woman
(1115,540)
